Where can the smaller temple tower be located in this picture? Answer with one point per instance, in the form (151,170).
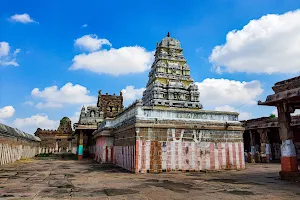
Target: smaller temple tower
(60,140)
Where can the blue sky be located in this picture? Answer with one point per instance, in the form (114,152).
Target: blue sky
(47,35)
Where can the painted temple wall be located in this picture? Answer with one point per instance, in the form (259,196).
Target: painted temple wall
(189,156)
(158,150)
(13,149)
(203,140)
(104,150)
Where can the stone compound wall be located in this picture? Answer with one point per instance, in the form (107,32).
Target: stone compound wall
(13,149)
(104,150)
(124,148)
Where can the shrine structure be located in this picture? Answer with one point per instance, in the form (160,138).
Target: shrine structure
(56,141)
(287,100)
(168,130)
(107,107)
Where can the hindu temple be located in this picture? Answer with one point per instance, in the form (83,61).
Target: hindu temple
(168,130)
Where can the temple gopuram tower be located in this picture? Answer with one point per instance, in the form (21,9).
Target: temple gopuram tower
(170,83)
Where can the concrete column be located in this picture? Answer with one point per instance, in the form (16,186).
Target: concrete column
(80,145)
(288,152)
(252,144)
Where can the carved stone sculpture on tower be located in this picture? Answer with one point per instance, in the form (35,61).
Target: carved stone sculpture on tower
(170,83)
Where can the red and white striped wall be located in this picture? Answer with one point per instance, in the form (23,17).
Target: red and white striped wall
(124,156)
(181,155)
(104,151)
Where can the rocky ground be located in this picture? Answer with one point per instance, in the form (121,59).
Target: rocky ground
(56,178)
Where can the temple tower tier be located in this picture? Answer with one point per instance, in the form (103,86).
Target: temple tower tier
(170,83)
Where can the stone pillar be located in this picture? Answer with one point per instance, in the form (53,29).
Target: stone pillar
(263,144)
(56,146)
(288,152)
(80,145)
(70,144)
(252,144)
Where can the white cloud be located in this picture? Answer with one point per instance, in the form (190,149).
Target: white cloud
(84,25)
(91,42)
(68,94)
(297,112)
(42,105)
(219,92)
(30,103)
(7,63)
(22,18)
(130,94)
(7,112)
(242,115)
(17,51)
(30,124)
(4,48)
(124,60)
(5,58)
(266,45)
(76,115)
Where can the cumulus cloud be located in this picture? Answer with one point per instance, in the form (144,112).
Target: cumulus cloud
(55,97)
(7,112)
(6,58)
(242,115)
(22,18)
(125,60)
(130,94)
(75,117)
(30,124)
(84,25)
(91,42)
(4,49)
(220,92)
(266,45)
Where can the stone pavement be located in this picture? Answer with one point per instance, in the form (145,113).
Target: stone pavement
(56,178)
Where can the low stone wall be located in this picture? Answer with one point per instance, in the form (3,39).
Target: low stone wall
(13,152)
(16,145)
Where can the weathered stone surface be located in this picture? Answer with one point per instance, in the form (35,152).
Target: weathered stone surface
(91,180)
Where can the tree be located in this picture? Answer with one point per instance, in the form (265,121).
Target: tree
(272,116)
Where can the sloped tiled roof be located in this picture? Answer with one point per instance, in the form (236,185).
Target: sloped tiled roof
(14,132)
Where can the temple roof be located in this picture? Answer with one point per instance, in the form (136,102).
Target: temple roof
(267,122)
(14,132)
(285,91)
